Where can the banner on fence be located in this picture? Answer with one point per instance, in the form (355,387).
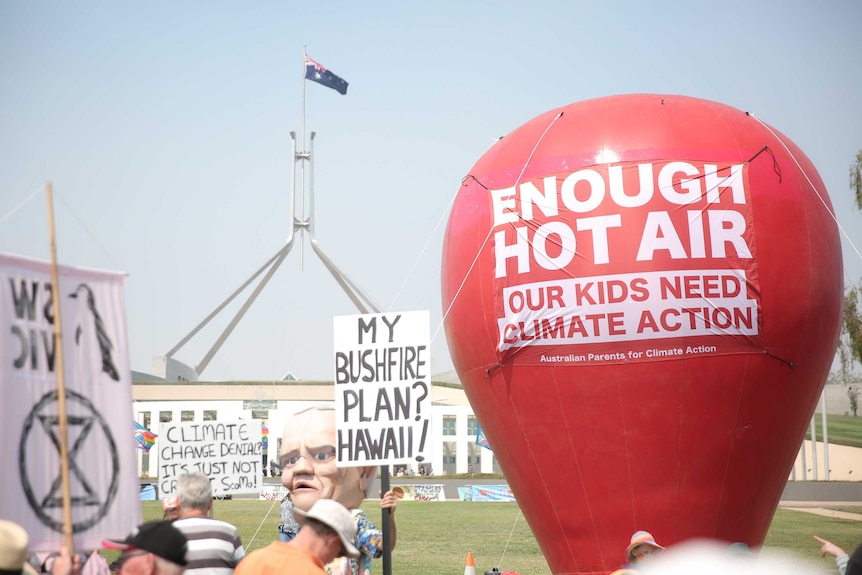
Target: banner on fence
(272,493)
(486,493)
(421,492)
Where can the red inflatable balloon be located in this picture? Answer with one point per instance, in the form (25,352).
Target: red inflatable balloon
(643,298)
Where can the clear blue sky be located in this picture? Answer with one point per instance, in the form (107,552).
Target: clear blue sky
(164,127)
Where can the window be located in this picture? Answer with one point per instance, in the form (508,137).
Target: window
(210,415)
(260,414)
(448,425)
(474,454)
(472,426)
(166,416)
(145,418)
(497,468)
(187,415)
(450,452)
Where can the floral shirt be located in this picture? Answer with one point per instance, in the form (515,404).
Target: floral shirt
(369,541)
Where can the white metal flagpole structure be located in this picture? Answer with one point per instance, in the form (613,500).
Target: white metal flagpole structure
(302,221)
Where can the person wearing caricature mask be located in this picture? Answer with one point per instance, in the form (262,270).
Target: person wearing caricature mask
(310,473)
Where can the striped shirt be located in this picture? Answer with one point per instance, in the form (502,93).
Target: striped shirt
(215,547)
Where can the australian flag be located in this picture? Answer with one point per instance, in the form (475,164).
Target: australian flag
(317,73)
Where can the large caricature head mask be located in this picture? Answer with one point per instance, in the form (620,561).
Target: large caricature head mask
(308,461)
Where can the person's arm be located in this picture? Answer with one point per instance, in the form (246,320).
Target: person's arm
(829,548)
(389,501)
(841,562)
(65,563)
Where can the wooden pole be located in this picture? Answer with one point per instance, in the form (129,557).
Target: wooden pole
(61,383)
(387,528)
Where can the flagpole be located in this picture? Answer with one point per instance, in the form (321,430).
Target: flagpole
(302,166)
(302,124)
(61,383)
(308,223)
(386,513)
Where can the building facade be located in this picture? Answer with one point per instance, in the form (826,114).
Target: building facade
(452,435)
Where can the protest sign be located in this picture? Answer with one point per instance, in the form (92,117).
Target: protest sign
(228,452)
(382,388)
(98,402)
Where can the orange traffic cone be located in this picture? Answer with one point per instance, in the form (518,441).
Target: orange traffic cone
(470,568)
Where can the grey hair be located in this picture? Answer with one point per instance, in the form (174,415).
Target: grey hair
(195,491)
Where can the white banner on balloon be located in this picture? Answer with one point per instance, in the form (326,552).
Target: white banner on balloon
(97,377)
(635,299)
(382,388)
(673,267)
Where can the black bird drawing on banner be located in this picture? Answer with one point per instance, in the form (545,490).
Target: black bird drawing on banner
(105,345)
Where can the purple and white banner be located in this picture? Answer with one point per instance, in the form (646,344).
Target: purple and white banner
(100,427)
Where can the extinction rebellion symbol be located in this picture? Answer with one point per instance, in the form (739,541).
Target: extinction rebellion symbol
(89,440)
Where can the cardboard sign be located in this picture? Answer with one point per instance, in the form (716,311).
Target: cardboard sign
(229,452)
(382,388)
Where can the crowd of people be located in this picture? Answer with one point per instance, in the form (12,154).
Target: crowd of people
(643,549)
(329,532)
(322,530)
(405,471)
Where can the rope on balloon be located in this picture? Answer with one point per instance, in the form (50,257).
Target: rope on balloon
(787,362)
(777,169)
(775,165)
(490,228)
(424,249)
(511,534)
(262,521)
(813,187)
(442,218)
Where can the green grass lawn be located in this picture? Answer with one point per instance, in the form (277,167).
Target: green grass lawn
(842,429)
(434,538)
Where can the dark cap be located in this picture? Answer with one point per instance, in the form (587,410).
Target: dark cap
(158,537)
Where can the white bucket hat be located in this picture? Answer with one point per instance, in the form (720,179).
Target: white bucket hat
(13,548)
(335,515)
